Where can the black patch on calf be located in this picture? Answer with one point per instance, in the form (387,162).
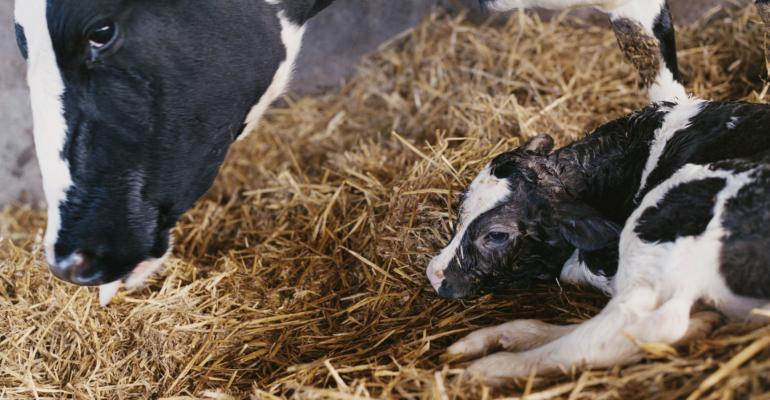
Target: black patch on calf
(21,41)
(602,262)
(720,131)
(745,256)
(685,210)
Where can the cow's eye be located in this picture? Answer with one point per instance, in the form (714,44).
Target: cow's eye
(102,37)
(497,238)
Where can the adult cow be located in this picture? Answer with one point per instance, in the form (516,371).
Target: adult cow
(135,104)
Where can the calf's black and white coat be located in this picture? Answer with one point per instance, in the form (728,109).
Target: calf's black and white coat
(662,209)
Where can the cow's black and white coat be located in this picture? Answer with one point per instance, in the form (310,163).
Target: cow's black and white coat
(662,209)
(135,104)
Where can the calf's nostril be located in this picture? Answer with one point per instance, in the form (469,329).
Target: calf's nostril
(446,291)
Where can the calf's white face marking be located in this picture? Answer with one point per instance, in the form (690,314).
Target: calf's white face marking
(484,193)
(50,128)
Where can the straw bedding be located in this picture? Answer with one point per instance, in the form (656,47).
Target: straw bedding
(301,273)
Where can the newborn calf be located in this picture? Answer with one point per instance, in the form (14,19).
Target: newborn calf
(662,209)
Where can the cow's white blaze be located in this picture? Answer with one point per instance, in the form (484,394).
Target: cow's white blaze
(484,193)
(291,36)
(50,127)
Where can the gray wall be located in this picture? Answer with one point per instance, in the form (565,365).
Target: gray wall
(19,176)
(334,43)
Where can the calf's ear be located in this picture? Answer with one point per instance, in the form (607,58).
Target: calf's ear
(586,229)
(541,144)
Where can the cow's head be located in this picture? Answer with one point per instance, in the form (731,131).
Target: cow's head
(135,104)
(518,224)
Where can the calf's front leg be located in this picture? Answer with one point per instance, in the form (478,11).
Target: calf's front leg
(517,335)
(607,340)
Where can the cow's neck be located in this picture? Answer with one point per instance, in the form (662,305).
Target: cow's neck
(292,34)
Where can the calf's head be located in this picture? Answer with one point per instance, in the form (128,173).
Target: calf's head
(518,223)
(135,104)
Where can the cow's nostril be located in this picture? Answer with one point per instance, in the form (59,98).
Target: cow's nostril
(75,269)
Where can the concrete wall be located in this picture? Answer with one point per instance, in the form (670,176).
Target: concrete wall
(336,39)
(19,176)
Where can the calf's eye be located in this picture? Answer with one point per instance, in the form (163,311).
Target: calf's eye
(497,238)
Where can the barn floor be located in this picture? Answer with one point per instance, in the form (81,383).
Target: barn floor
(301,274)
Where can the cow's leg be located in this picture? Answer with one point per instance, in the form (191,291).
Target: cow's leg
(646,35)
(517,335)
(508,5)
(645,32)
(607,340)
(764,12)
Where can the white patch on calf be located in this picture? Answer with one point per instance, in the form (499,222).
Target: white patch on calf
(291,36)
(690,265)
(678,118)
(576,272)
(484,193)
(50,127)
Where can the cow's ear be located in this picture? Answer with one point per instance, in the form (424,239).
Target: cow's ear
(541,144)
(299,11)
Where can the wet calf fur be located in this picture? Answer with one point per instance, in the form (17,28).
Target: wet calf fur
(661,209)
(560,213)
